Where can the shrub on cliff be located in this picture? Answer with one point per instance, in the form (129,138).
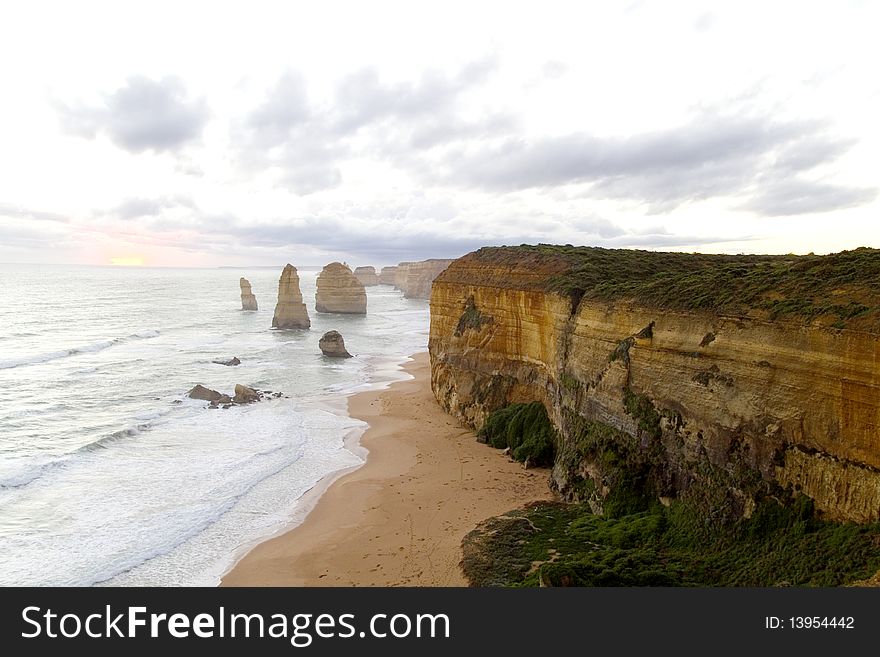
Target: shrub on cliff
(525,429)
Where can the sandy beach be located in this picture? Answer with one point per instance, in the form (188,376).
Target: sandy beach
(399,519)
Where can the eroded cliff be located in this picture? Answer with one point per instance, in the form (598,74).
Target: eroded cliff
(367,275)
(414,279)
(721,380)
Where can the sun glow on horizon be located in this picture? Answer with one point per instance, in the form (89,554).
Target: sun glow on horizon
(127,261)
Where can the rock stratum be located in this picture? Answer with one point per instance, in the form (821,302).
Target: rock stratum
(720,380)
(414,279)
(386,276)
(248,300)
(290,311)
(339,291)
(367,276)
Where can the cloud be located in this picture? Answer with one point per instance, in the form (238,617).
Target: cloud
(363,99)
(798,196)
(705,21)
(554,69)
(138,208)
(303,146)
(14,211)
(143,115)
(285,136)
(284,108)
(713,155)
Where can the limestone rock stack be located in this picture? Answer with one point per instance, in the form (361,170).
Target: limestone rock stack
(367,275)
(248,300)
(414,279)
(339,291)
(290,311)
(332,345)
(386,276)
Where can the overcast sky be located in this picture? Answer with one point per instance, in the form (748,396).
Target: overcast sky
(245,133)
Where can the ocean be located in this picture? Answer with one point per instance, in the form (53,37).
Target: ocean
(111,475)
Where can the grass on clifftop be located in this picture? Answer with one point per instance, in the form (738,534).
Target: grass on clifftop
(843,286)
(566,545)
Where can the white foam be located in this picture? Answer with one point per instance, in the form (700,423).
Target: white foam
(73,351)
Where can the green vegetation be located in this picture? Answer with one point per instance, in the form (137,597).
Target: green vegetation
(627,468)
(525,429)
(642,409)
(567,545)
(844,286)
(569,381)
(471,318)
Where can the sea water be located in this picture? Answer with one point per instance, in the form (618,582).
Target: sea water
(110,474)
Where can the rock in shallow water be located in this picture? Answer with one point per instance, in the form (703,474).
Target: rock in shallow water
(332,345)
(203,393)
(231,363)
(245,395)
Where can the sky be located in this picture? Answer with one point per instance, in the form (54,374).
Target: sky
(260,133)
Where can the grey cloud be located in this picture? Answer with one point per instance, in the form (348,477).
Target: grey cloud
(136,208)
(581,157)
(285,136)
(597,226)
(807,153)
(477,71)
(363,99)
(285,107)
(798,196)
(704,22)
(303,146)
(445,129)
(308,178)
(713,155)
(554,69)
(143,115)
(14,211)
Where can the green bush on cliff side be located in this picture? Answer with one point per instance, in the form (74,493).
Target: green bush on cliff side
(525,429)
(556,544)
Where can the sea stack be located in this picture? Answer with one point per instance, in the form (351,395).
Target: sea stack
(290,311)
(367,276)
(339,291)
(248,300)
(386,276)
(332,345)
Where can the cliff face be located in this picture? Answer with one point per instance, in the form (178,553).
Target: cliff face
(248,300)
(339,291)
(386,276)
(290,311)
(718,408)
(414,279)
(366,275)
